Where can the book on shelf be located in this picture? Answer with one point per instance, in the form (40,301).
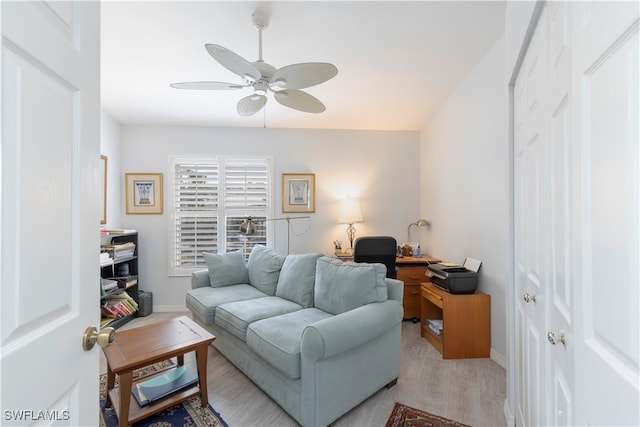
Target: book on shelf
(118,305)
(162,385)
(109,285)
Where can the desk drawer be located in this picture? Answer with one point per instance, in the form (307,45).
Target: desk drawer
(412,275)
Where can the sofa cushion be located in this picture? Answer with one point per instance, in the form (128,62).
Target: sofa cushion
(277,339)
(264,268)
(342,286)
(236,317)
(226,269)
(204,301)
(297,277)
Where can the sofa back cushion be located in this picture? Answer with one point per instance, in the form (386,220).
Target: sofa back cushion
(264,268)
(226,269)
(342,286)
(297,277)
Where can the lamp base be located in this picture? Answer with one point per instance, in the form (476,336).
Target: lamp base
(351,233)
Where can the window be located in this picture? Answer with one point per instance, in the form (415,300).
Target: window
(209,199)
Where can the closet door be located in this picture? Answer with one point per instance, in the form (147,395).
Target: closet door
(560,343)
(531,141)
(577,217)
(606,69)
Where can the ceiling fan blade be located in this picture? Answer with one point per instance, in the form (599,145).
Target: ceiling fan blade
(299,76)
(234,62)
(249,105)
(299,100)
(206,85)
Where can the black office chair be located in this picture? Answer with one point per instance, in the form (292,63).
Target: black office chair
(380,249)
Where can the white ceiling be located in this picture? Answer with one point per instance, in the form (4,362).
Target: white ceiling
(397,61)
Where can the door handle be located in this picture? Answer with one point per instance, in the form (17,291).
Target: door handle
(556,337)
(529,297)
(92,336)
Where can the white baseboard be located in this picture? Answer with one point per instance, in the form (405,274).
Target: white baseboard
(508,416)
(170,308)
(498,358)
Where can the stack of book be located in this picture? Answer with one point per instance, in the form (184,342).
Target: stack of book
(435,326)
(119,305)
(108,285)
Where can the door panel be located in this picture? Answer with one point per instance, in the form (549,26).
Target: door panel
(560,373)
(607,93)
(530,142)
(50,211)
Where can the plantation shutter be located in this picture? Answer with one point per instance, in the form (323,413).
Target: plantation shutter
(246,195)
(196,203)
(210,200)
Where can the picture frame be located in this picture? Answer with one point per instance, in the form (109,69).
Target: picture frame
(143,193)
(298,192)
(103,190)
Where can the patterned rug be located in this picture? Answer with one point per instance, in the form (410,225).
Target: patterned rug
(188,413)
(405,416)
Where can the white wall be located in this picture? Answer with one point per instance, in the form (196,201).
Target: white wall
(110,147)
(464,183)
(381,168)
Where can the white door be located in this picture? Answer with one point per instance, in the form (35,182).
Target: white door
(560,393)
(577,217)
(530,168)
(607,93)
(50,211)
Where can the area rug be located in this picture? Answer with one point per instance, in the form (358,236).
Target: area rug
(187,414)
(405,416)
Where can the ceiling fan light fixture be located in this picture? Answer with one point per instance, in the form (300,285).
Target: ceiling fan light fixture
(249,78)
(260,88)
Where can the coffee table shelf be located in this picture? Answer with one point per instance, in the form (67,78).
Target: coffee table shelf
(137,413)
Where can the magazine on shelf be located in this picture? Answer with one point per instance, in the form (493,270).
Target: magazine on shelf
(160,386)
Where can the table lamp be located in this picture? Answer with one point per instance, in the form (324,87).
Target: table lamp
(418,223)
(350,213)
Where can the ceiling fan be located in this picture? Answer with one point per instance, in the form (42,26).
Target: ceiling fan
(285,82)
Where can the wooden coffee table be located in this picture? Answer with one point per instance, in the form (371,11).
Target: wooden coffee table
(139,347)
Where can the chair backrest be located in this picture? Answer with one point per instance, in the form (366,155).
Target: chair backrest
(380,249)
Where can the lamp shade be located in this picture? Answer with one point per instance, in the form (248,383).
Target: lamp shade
(350,211)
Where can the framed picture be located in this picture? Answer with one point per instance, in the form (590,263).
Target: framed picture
(103,189)
(298,192)
(144,193)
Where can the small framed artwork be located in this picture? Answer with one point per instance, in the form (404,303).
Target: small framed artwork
(144,193)
(298,192)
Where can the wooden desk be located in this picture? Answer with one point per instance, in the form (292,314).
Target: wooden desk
(466,321)
(412,271)
(139,347)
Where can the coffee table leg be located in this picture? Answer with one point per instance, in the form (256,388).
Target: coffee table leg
(180,359)
(111,381)
(126,379)
(201,360)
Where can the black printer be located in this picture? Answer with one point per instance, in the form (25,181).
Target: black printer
(454,279)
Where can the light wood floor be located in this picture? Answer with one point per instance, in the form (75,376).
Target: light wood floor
(470,391)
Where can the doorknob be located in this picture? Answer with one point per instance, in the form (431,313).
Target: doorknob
(103,338)
(529,297)
(556,337)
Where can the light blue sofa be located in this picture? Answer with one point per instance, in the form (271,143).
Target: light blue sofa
(318,335)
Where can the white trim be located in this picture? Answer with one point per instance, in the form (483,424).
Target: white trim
(170,309)
(498,358)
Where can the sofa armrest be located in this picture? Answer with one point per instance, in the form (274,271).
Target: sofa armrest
(348,330)
(395,288)
(200,279)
